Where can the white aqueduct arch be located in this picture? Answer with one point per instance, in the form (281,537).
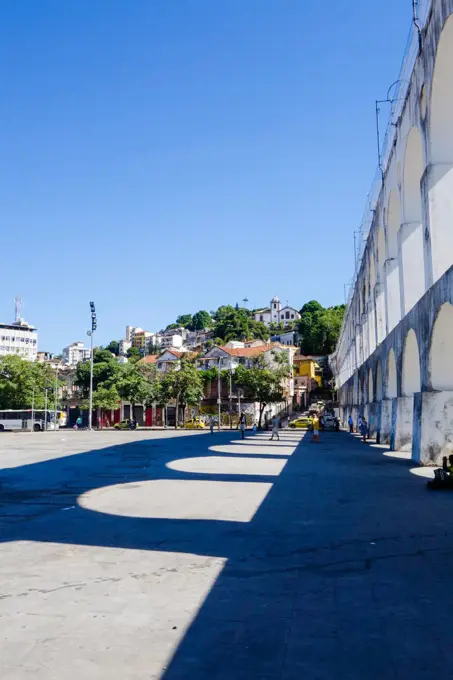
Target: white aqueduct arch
(412,257)
(411,382)
(391,383)
(440,177)
(440,354)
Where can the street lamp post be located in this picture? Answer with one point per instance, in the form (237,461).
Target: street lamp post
(231,395)
(219,398)
(45,410)
(90,333)
(33,409)
(55,397)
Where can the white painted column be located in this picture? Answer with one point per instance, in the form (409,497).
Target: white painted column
(393,290)
(411,245)
(438,182)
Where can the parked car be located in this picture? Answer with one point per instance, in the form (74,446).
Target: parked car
(127,424)
(304,422)
(194,424)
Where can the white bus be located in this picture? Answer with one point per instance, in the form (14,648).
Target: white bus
(26,419)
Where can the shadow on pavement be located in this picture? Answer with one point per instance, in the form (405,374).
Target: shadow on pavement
(343,571)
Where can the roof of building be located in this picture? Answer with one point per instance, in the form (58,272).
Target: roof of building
(249,351)
(150,359)
(262,311)
(275,299)
(293,309)
(18,326)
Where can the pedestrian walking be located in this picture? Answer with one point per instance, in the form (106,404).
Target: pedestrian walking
(211,424)
(364,429)
(275,424)
(242,425)
(315,429)
(351,424)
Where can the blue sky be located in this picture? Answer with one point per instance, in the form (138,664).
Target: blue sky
(162,156)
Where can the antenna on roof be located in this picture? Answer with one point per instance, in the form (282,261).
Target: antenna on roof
(18,305)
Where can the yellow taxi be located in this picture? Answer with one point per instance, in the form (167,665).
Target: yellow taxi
(194,424)
(303,422)
(125,425)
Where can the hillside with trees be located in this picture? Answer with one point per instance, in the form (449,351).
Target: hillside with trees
(319,327)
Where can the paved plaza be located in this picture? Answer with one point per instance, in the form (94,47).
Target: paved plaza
(184,555)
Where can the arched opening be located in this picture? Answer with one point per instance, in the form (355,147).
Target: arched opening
(379,386)
(440,355)
(411,366)
(391,383)
(440,176)
(410,383)
(380,288)
(372,303)
(370,387)
(392,262)
(441,127)
(413,263)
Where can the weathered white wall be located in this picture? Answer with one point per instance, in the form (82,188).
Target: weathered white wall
(386,421)
(436,427)
(404,422)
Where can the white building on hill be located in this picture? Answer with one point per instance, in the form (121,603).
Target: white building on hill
(275,313)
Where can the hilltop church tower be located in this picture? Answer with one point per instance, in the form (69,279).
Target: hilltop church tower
(276,307)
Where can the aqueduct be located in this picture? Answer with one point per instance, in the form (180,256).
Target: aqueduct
(394,358)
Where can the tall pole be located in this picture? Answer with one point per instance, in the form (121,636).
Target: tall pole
(90,411)
(55,398)
(90,333)
(45,410)
(33,409)
(231,395)
(219,397)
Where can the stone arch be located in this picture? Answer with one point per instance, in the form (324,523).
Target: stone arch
(372,270)
(370,386)
(440,354)
(441,120)
(381,250)
(411,381)
(439,178)
(379,385)
(381,312)
(411,237)
(413,171)
(392,263)
(391,389)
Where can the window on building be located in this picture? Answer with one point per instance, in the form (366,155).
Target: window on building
(287,315)
(292,316)
(275,305)
(261,317)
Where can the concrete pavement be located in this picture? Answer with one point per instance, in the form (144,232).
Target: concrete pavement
(185,555)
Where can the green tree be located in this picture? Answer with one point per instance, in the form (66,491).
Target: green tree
(133,383)
(104,399)
(319,327)
(23,384)
(184,385)
(262,383)
(134,354)
(237,324)
(105,371)
(184,320)
(172,326)
(114,347)
(201,320)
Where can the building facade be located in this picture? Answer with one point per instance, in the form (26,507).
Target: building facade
(19,338)
(276,314)
(75,353)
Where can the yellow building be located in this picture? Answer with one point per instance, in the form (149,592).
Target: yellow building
(308,368)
